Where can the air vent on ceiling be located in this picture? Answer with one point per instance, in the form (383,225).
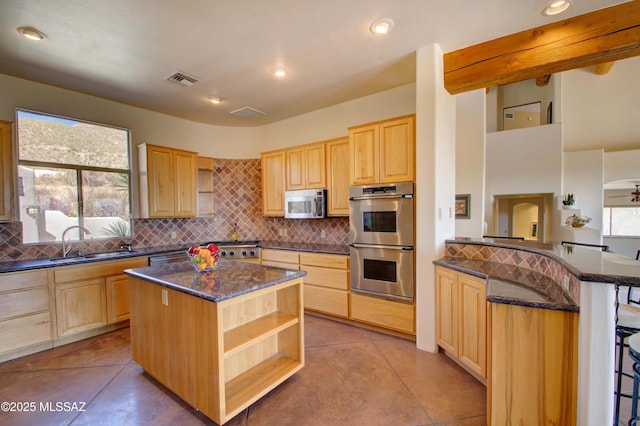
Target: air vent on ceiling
(248,112)
(182,78)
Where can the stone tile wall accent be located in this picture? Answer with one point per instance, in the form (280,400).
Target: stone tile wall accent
(237,200)
(522,259)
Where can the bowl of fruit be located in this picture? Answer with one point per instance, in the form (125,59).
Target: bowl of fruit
(204,259)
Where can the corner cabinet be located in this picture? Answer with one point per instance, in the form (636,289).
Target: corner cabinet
(6,172)
(383,152)
(218,357)
(338,177)
(168,182)
(461,324)
(273,183)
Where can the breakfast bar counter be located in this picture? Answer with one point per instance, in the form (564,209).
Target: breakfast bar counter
(219,340)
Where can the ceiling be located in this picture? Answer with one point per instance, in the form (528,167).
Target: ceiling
(124,50)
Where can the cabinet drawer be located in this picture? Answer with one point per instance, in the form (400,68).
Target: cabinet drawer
(23,280)
(99,269)
(334,278)
(280,256)
(327,300)
(385,313)
(24,302)
(335,261)
(25,331)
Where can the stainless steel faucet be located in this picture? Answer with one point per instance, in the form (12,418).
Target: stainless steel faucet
(65,249)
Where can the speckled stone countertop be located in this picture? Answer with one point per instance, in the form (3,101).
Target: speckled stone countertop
(230,279)
(310,247)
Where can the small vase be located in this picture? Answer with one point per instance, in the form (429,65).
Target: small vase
(577,225)
(567,207)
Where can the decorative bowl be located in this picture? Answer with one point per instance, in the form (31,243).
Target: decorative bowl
(204,259)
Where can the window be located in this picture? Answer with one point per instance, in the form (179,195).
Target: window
(72,173)
(621,221)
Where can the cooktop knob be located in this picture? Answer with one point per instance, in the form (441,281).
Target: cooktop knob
(244,252)
(232,253)
(223,253)
(252,252)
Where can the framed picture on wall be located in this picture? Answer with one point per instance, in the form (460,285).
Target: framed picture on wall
(463,206)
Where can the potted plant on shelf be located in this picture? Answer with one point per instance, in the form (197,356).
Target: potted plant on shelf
(577,221)
(568,201)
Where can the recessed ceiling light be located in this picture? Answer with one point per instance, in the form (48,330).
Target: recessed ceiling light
(280,72)
(556,7)
(381,26)
(31,33)
(215,99)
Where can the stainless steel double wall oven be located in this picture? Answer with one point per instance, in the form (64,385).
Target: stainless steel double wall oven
(381,221)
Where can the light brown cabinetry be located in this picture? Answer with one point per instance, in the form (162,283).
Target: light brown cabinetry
(383,152)
(384,313)
(338,177)
(218,357)
(91,296)
(326,286)
(25,313)
(534,359)
(306,167)
(462,319)
(205,186)
(273,183)
(168,182)
(6,172)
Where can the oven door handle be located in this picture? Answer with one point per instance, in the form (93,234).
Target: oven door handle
(380,246)
(378,197)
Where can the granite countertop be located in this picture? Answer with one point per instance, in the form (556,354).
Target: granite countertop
(513,285)
(586,263)
(310,247)
(230,279)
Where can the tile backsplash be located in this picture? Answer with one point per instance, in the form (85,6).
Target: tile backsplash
(237,200)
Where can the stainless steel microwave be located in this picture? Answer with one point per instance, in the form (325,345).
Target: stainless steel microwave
(305,204)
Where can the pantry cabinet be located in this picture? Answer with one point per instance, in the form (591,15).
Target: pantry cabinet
(91,296)
(25,313)
(273,183)
(306,167)
(462,319)
(338,177)
(383,152)
(168,182)
(6,172)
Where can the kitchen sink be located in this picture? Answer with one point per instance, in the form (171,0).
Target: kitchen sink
(103,255)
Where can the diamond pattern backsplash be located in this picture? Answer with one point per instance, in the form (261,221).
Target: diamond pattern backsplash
(237,199)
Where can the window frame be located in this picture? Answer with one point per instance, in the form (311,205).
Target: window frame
(610,215)
(78,168)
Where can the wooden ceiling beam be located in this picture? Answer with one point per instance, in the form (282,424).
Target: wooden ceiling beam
(605,35)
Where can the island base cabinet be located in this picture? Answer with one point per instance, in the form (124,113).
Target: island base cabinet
(218,357)
(534,361)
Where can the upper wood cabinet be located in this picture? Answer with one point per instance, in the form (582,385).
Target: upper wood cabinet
(205,186)
(306,167)
(273,183)
(168,182)
(383,152)
(338,177)
(6,172)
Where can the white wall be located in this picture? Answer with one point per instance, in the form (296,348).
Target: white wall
(622,165)
(522,161)
(470,159)
(584,177)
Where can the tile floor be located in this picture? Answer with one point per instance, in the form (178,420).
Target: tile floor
(352,377)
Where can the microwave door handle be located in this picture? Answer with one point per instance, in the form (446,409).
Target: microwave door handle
(378,197)
(315,207)
(380,246)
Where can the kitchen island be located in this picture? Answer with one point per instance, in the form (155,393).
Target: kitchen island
(219,340)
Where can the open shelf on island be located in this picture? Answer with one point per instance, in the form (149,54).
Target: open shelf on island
(247,334)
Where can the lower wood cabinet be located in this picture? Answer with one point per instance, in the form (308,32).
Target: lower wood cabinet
(92,296)
(389,314)
(461,323)
(326,286)
(534,366)
(25,313)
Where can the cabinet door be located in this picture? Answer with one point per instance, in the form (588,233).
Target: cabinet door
(6,172)
(160,181)
(315,170)
(80,306)
(338,177)
(472,348)
(185,167)
(117,289)
(295,168)
(397,145)
(364,148)
(447,311)
(273,183)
